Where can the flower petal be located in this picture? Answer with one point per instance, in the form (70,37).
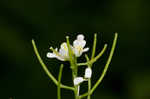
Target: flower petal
(63,51)
(85,49)
(80,37)
(78,43)
(64,45)
(59,58)
(76,52)
(51,55)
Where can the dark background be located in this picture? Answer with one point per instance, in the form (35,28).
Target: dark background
(49,21)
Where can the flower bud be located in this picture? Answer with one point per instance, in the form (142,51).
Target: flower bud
(88,72)
(78,80)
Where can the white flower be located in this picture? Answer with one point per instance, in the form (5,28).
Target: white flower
(88,72)
(62,55)
(78,45)
(78,80)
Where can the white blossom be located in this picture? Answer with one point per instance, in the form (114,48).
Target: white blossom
(88,72)
(78,80)
(62,55)
(78,45)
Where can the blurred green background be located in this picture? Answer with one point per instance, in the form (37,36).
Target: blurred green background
(49,21)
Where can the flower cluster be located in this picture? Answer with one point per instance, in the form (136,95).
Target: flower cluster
(63,53)
(77,49)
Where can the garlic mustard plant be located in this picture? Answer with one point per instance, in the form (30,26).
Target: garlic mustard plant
(68,52)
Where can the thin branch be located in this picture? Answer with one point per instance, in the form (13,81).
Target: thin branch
(107,64)
(105,69)
(94,46)
(43,65)
(69,51)
(94,59)
(46,69)
(59,82)
(84,95)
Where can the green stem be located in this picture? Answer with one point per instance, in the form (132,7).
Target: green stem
(43,65)
(94,46)
(107,64)
(89,89)
(90,65)
(59,82)
(89,80)
(67,87)
(94,59)
(105,69)
(76,92)
(73,62)
(70,52)
(84,95)
(46,69)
